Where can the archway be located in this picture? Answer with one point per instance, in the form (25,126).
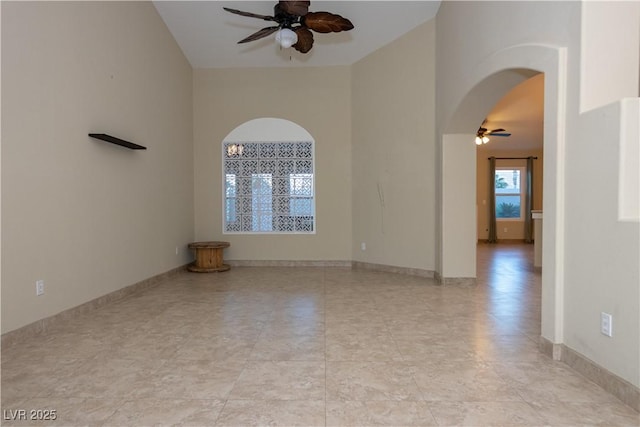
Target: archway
(268,167)
(494,77)
(268,129)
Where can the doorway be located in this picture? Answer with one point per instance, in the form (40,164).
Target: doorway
(458,217)
(515,133)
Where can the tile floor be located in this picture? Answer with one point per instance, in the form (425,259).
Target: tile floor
(309,347)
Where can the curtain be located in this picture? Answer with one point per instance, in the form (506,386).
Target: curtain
(493,228)
(528,203)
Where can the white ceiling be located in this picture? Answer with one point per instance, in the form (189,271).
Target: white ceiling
(208,35)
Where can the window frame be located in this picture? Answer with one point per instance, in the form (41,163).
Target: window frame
(237,209)
(521,194)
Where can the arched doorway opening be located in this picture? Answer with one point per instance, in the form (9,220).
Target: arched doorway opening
(458,222)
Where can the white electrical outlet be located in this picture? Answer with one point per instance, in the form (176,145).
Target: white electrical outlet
(176,250)
(39,287)
(606,324)
(363,246)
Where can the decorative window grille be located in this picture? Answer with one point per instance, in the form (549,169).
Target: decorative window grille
(268,187)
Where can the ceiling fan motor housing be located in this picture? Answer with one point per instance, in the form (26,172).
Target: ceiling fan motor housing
(286,20)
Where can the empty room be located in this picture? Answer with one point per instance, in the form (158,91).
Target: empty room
(325,213)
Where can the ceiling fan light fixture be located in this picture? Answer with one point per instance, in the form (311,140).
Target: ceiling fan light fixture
(286,37)
(481,139)
(294,14)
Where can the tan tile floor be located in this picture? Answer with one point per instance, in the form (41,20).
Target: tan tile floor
(310,347)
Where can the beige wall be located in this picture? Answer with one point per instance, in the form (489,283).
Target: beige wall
(317,99)
(394,153)
(594,269)
(622,29)
(85,216)
(458,210)
(515,229)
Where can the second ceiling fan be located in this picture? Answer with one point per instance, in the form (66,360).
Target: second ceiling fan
(482,136)
(294,24)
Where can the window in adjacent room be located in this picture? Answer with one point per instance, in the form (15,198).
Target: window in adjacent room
(268,187)
(509,193)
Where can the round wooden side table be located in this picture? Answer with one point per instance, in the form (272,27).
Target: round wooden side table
(209,257)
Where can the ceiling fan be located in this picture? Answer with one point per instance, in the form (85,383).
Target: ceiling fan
(294,24)
(482,136)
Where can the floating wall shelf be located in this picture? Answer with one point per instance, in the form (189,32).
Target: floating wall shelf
(117,141)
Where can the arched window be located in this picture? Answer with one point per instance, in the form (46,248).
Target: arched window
(268,178)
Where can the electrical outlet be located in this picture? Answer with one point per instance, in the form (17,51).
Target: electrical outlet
(39,287)
(606,324)
(506,230)
(176,250)
(363,246)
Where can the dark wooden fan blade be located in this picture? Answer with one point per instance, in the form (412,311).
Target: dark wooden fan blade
(325,22)
(497,130)
(305,40)
(500,134)
(298,8)
(250,15)
(259,34)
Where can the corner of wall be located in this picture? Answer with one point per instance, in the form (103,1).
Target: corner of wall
(629,161)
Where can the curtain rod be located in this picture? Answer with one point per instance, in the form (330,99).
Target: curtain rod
(512,158)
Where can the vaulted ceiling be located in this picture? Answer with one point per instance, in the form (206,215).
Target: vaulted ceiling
(208,35)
